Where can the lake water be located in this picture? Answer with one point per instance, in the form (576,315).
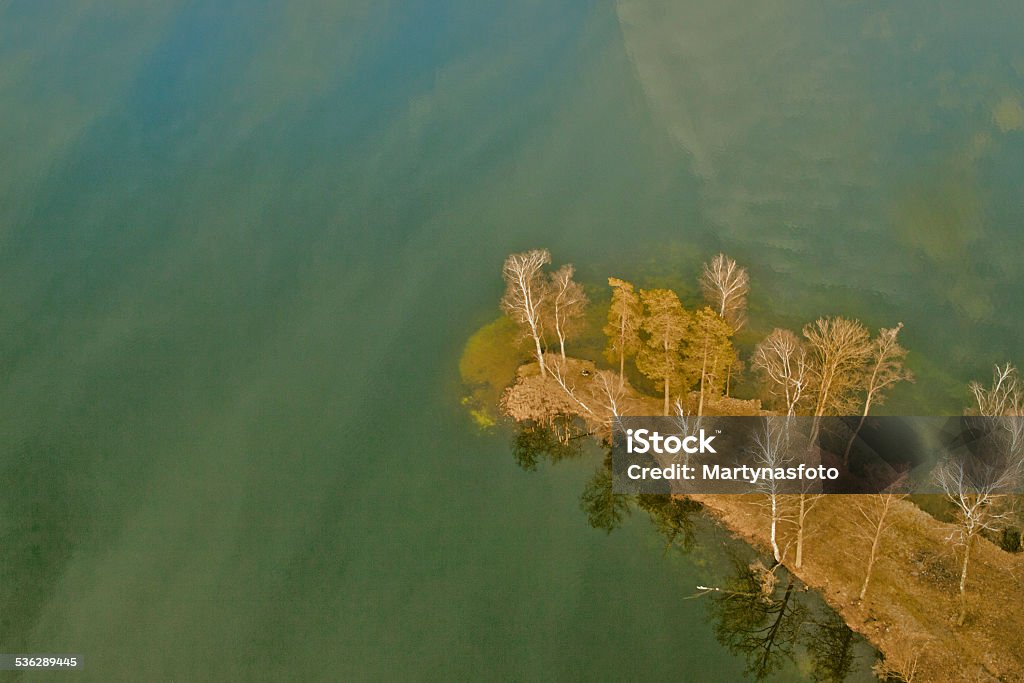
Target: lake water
(242,245)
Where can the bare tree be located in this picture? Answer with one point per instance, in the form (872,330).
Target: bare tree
(872,522)
(770,449)
(900,663)
(1003,400)
(611,398)
(805,503)
(568,303)
(976,485)
(557,370)
(688,424)
(612,395)
(725,286)
(839,349)
(782,358)
(1004,397)
(793,442)
(526,294)
(886,369)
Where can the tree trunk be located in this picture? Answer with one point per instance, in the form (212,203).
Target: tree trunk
(666,372)
(872,556)
(963,582)
(622,351)
(800,533)
(666,395)
(775,543)
(849,444)
(819,409)
(703,371)
(773,632)
(561,344)
(540,352)
(853,437)
(812,440)
(622,365)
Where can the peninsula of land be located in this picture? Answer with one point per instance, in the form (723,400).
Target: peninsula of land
(940,595)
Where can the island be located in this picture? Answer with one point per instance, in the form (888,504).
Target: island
(935,583)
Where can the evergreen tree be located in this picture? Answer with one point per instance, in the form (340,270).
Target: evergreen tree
(623,328)
(665,325)
(708,353)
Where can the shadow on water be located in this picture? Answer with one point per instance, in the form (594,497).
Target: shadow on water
(533,443)
(673,518)
(757,620)
(765,616)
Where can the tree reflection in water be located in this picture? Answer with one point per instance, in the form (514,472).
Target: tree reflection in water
(756,619)
(830,644)
(765,619)
(535,442)
(605,510)
(673,518)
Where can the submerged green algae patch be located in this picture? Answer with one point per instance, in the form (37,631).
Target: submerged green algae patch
(488,365)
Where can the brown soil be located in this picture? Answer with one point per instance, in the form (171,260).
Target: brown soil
(912,602)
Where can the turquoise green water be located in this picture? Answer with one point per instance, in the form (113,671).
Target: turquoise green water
(242,244)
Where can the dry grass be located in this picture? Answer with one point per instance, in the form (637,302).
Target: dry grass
(912,603)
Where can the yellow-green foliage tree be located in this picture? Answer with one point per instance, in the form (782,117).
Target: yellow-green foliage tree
(708,353)
(623,328)
(665,325)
